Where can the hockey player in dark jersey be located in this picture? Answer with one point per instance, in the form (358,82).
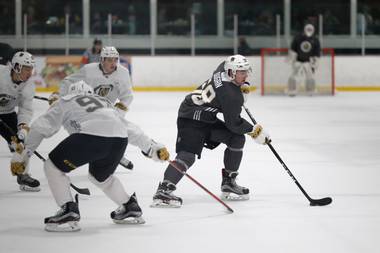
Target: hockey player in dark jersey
(304,54)
(198,127)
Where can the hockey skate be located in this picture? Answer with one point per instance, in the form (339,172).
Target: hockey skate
(230,190)
(27,183)
(126,163)
(164,196)
(128,213)
(66,219)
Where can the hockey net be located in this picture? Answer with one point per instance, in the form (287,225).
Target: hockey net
(276,70)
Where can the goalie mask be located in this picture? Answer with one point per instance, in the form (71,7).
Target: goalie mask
(234,63)
(80,88)
(21,59)
(309,30)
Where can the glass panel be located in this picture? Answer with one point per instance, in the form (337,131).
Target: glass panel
(173,16)
(336,15)
(371,11)
(7,10)
(255,17)
(128,17)
(48,16)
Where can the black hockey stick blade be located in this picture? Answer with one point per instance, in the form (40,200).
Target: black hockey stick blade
(84,191)
(321,202)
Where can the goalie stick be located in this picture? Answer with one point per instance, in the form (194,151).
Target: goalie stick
(84,191)
(313,202)
(124,162)
(172,163)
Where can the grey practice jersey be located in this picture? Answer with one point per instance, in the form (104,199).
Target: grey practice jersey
(86,114)
(14,95)
(115,86)
(216,95)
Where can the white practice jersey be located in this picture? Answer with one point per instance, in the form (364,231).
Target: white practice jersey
(86,114)
(117,85)
(16,95)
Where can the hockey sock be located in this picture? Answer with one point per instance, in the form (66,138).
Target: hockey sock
(58,182)
(232,158)
(112,188)
(185,160)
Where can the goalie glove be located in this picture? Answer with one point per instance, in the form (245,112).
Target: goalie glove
(259,135)
(23,131)
(53,97)
(314,63)
(19,162)
(157,152)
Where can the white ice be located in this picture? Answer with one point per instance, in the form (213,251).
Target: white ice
(330,144)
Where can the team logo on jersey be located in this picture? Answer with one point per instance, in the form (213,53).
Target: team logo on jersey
(306,46)
(5,99)
(103,90)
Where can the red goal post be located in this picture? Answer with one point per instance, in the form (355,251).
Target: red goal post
(276,70)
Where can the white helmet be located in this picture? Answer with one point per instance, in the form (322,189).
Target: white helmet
(22,59)
(80,88)
(234,63)
(309,30)
(109,52)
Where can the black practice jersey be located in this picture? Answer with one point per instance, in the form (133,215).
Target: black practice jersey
(306,47)
(217,94)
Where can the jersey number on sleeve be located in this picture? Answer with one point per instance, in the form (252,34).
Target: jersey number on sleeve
(86,101)
(204,95)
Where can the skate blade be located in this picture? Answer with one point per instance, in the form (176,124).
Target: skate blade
(130,220)
(234,197)
(71,226)
(26,188)
(158,203)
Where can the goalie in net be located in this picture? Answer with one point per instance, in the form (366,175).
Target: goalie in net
(305,68)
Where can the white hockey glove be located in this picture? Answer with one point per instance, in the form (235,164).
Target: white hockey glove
(314,63)
(259,135)
(23,131)
(19,162)
(16,145)
(53,97)
(245,91)
(157,152)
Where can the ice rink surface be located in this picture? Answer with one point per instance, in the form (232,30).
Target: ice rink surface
(331,145)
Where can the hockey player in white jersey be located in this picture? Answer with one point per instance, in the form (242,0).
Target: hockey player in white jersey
(17,91)
(99,137)
(304,56)
(109,79)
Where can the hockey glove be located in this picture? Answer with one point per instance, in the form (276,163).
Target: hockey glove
(245,90)
(314,64)
(121,106)
(259,135)
(157,152)
(19,162)
(53,97)
(23,131)
(16,145)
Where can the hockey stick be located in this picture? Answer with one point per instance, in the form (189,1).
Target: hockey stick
(124,162)
(84,191)
(172,163)
(313,202)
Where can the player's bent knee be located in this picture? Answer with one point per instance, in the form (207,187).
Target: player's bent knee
(101,183)
(236,142)
(185,157)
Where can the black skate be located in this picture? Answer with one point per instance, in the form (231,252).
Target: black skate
(66,219)
(27,183)
(126,163)
(128,213)
(164,196)
(230,190)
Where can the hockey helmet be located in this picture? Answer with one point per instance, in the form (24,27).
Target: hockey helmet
(22,59)
(309,30)
(109,52)
(81,88)
(234,63)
